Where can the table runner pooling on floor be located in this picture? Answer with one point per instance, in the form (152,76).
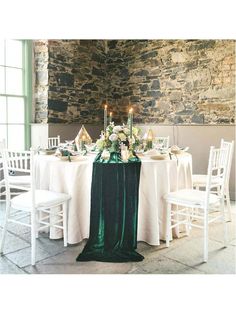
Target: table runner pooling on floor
(114,211)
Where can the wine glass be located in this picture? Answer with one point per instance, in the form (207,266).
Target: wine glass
(69,144)
(90,147)
(158,143)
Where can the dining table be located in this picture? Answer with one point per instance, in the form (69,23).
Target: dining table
(157,178)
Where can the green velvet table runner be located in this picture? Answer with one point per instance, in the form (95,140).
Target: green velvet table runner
(114,211)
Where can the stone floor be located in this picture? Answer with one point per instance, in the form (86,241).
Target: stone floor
(184,256)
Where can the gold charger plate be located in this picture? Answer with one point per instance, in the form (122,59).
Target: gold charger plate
(159,157)
(47,152)
(176,152)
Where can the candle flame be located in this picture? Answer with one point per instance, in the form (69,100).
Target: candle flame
(131,110)
(105,107)
(83,137)
(149,135)
(110,114)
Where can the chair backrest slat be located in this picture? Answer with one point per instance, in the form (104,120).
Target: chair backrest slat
(23,163)
(18,161)
(217,170)
(230,147)
(54,141)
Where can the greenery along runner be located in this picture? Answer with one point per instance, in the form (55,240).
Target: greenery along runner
(114,211)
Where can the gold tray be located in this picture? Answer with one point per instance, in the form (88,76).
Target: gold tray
(47,152)
(159,157)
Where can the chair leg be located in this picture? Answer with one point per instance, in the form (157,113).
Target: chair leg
(168,224)
(65,223)
(176,217)
(205,228)
(188,223)
(225,228)
(228,204)
(33,237)
(4,232)
(37,225)
(196,210)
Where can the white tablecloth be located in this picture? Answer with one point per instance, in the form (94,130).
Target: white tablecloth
(156,179)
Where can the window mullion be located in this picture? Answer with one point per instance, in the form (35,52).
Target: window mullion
(25,92)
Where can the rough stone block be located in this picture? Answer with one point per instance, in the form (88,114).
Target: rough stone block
(155,94)
(155,84)
(141,73)
(90,86)
(148,55)
(65,79)
(57,105)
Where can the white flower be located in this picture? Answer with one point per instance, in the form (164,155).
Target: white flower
(117,129)
(100,144)
(122,137)
(105,154)
(113,137)
(135,131)
(126,131)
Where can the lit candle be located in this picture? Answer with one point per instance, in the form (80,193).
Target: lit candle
(83,142)
(110,119)
(149,139)
(105,118)
(131,122)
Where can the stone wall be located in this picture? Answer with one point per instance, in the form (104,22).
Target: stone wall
(74,81)
(173,81)
(41,80)
(166,81)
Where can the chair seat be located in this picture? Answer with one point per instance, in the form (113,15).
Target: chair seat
(190,197)
(43,198)
(201,180)
(19,180)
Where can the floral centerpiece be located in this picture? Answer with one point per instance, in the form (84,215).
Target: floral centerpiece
(116,137)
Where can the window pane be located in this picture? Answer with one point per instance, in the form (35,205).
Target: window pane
(3,132)
(16,137)
(14,53)
(14,81)
(3,111)
(2,85)
(15,110)
(1,52)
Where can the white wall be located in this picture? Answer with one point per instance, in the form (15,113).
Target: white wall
(39,135)
(199,138)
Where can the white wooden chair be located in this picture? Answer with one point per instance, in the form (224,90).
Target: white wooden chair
(188,200)
(54,141)
(35,204)
(162,142)
(16,181)
(200,180)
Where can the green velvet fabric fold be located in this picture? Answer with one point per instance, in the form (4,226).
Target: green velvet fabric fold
(114,211)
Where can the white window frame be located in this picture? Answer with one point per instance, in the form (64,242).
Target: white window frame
(27,90)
